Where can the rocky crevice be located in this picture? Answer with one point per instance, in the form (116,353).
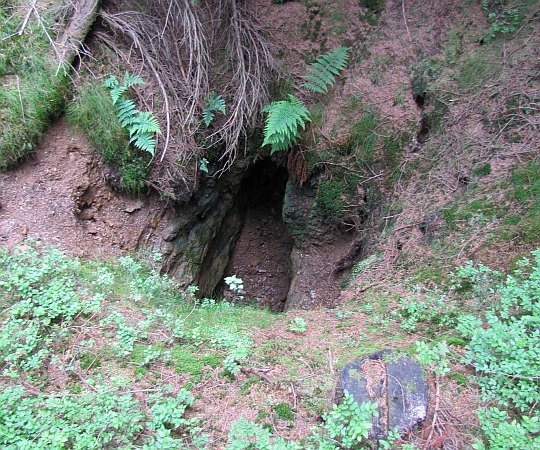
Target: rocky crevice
(256,223)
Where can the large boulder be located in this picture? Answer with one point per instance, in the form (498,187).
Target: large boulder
(396,383)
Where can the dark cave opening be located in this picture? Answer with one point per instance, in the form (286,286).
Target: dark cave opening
(256,242)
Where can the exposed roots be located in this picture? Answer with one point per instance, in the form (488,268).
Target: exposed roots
(251,61)
(190,50)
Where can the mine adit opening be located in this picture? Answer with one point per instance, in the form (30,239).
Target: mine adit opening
(253,241)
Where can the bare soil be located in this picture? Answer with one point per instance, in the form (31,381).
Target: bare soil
(59,198)
(261,257)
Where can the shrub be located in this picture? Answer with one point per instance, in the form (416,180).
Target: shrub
(502,21)
(504,350)
(44,298)
(346,426)
(426,306)
(502,432)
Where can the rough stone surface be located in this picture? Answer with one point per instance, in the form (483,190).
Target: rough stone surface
(400,391)
(407,394)
(354,381)
(189,243)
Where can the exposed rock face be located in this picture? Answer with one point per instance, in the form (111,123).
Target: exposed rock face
(317,247)
(198,242)
(396,383)
(200,239)
(203,229)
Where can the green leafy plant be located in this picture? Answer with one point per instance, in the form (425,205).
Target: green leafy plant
(43,299)
(142,126)
(212,103)
(502,21)
(236,284)
(297,325)
(284,119)
(203,165)
(434,356)
(428,306)
(324,70)
(246,435)
(345,427)
(503,347)
(349,423)
(102,419)
(503,432)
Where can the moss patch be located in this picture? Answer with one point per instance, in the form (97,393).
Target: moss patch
(186,361)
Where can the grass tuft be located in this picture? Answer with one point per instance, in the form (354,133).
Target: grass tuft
(32,93)
(92,112)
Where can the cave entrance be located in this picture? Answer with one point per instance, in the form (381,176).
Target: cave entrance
(261,254)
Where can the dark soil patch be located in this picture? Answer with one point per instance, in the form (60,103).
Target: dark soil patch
(261,257)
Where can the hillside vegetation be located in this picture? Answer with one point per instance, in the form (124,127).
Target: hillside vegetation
(409,130)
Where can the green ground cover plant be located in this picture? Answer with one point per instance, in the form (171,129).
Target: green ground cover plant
(48,299)
(501,336)
(92,111)
(503,20)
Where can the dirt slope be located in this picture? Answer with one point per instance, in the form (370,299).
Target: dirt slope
(60,199)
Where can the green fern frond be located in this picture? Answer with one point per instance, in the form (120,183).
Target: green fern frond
(324,69)
(208,116)
(144,122)
(126,110)
(141,126)
(117,92)
(145,142)
(212,103)
(131,80)
(111,82)
(315,84)
(284,119)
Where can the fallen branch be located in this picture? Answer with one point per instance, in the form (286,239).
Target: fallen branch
(435,411)
(85,12)
(257,373)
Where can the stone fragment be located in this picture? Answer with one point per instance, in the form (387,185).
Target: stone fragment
(133,206)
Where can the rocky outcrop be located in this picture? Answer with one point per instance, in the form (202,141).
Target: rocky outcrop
(201,236)
(198,240)
(317,247)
